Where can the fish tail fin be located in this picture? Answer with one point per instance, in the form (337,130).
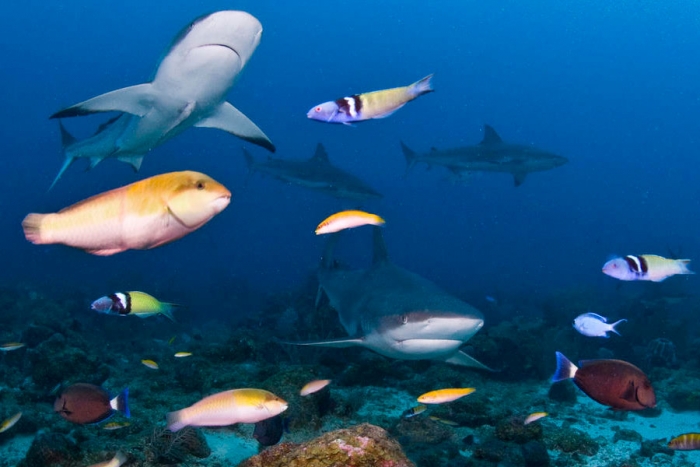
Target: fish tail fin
(32,228)
(121,403)
(565,369)
(120,457)
(175,421)
(683,266)
(67,140)
(411,157)
(612,326)
(167,310)
(422,86)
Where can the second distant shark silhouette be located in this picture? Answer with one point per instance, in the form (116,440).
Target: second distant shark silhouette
(189,89)
(491,155)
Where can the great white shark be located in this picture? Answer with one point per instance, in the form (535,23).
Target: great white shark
(189,89)
(316,173)
(491,155)
(395,312)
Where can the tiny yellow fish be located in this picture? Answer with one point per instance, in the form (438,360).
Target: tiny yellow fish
(11,346)
(412,412)
(118,460)
(347,220)
(116,425)
(534,417)
(183,354)
(10,422)
(685,442)
(150,364)
(314,386)
(444,395)
(443,421)
(172,339)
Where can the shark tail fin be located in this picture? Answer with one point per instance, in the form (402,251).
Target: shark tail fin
(411,157)
(381,254)
(67,140)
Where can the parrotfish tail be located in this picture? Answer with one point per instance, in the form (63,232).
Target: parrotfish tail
(121,403)
(565,369)
(168,309)
(174,421)
(683,266)
(67,140)
(120,457)
(32,228)
(615,324)
(423,86)
(410,156)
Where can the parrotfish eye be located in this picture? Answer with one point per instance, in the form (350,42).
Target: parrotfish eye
(317,109)
(200,185)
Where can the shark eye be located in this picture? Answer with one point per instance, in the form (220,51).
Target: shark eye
(404,319)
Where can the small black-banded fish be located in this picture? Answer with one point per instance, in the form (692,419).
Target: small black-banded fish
(645,268)
(685,442)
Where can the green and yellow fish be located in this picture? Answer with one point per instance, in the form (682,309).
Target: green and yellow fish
(133,304)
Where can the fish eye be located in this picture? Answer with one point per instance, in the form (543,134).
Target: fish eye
(200,185)
(317,109)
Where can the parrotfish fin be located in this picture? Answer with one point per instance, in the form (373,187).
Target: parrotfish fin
(120,458)
(174,421)
(133,161)
(422,86)
(630,393)
(136,100)
(337,343)
(519,178)
(612,326)
(320,155)
(121,403)
(490,136)
(462,359)
(410,156)
(683,264)
(167,310)
(228,118)
(381,254)
(106,252)
(565,369)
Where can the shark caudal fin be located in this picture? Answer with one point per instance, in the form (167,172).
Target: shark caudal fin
(381,254)
(67,140)
(411,157)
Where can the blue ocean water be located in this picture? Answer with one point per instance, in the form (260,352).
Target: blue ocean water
(613,87)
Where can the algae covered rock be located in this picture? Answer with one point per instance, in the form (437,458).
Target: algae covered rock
(360,446)
(51,449)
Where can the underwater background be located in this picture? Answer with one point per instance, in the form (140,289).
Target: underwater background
(612,86)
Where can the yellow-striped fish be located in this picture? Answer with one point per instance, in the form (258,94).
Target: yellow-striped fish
(347,220)
(150,364)
(10,422)
(143,215)
(444,395)
(376,104)
(413,411)
(133,304)
(118,460)
(685,442)
(183,354)
(116,425)
(645,268)
(228,407)
(314,386)
(444,421)
(10,346)
(534,417)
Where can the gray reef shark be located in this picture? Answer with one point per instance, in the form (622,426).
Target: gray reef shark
(315,173)
(491,155)
(395,312)
(189,89)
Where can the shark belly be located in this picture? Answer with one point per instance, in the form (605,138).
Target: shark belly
(412,349)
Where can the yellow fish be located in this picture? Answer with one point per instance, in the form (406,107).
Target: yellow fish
(685,442)
(134,304)
(150,364)
(443,421)
(116,425)
(444,395)
(534,417)
(10,422)
(412,412)
(228,407)
(314,386)
(118,460)
(11,346)
(347,220)
(140,216)
(183,354)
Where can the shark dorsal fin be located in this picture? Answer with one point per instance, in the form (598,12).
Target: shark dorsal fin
(490,136)
(381,255)
(320,155)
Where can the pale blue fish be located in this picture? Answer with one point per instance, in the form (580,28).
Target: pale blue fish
(594,325)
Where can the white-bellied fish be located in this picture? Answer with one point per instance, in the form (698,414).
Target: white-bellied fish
(10,346)
(685,442)
(594,325)
(10,422)
(140,216)
(376,104)
(118,460)
(183,354)
(533,417)
(150,364)
(413,411)
(314,386)
(133,304)
(228,407)
(645,268)
(441,396)
(347,220)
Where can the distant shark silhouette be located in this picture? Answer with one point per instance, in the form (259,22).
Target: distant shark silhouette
(315,173)
(188,89)
(491,155)
(395,312)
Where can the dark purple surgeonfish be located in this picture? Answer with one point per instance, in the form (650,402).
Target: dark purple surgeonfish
(614,383)
(84,403)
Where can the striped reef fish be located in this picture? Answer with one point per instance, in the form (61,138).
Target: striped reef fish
(10,346)
(376,104)
(645,268)
(314,386)
(533,417)
(685,442)
(347,220)
(413,411)
(133,304)
(10,422)
(444,395)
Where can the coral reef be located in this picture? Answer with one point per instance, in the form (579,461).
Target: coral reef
(166,447)
(51,449)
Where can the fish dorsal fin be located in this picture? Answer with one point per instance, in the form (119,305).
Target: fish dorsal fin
(320,155)
(381,255)
(597,316)
(490,136)
(630,393)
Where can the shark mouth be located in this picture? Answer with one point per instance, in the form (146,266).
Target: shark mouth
(221,45)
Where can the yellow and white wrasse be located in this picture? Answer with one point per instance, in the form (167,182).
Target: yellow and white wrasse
(441,396)
(533,417)
(140,216)
(150,364)
(645,268)
(183,354)
(10,422)
(685,442)
(10,346)
(314,386)
(115,426)
(226,408)
(133,304)
(376,104)
(347,220)
(118,460)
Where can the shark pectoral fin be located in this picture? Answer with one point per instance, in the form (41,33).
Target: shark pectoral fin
(462,359)
(337,343)
(228,118)
(519,178)
(134,161)
(136,100)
